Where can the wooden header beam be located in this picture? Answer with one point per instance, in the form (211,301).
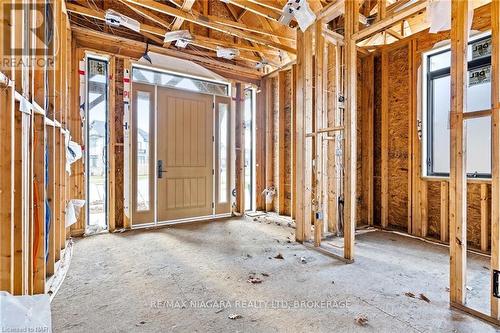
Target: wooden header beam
(244,73)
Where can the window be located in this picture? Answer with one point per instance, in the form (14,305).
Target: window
(223,151)
(437,123)
(96,138)
(143,139)
(177,81)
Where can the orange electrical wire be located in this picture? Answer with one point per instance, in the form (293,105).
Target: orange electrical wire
(36,219)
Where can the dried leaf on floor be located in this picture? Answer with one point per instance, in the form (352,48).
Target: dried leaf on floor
(279,256)
(265,274)
(254,280)
(234,316)
(409,294)
(361,320)
(424,298)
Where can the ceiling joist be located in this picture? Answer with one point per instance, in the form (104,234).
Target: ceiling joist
(201,41)
(210,23)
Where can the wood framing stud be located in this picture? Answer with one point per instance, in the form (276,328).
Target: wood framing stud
(458,184)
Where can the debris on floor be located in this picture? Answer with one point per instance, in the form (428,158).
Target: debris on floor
(424,298)
(409,294)
(253,279)
(265,274)
(235,316)
(279,256)
(361,320)
(303,260)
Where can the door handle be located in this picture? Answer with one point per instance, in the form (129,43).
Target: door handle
(159,168)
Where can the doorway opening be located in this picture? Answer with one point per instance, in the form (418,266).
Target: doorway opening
(180,128)
(96,143)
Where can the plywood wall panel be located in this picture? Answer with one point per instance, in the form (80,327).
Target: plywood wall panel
(434,209)
(377,141)
(474,215)
(288,142)
(399,113)
(119,151)
(398,139)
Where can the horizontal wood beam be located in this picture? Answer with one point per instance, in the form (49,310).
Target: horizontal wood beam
(246,74)
(390,20)
(206,22)
(256,9)
(201,41)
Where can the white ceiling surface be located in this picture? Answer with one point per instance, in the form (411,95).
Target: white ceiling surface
(181,66)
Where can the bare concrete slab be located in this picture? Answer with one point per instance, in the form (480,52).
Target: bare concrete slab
(193,278)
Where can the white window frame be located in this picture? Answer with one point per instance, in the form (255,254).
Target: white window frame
(424,109)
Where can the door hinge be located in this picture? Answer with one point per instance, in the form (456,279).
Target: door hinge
(213,172)
(213,138)
(213,205)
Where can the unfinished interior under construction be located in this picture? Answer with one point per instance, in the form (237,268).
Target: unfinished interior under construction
(255,166)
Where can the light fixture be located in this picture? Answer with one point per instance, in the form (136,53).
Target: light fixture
(182,38)
(146,56)
(116,19)
(261,64)
(301,11)
(227,53)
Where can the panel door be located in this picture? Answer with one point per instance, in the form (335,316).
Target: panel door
(185,154)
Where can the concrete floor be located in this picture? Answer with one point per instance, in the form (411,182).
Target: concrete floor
(192,278)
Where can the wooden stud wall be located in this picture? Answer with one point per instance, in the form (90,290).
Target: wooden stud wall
(423,200)
(34,112)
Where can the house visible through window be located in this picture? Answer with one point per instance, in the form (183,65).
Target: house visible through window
(437,128)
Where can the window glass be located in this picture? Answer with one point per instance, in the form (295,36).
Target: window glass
(479,146)
(177,81)
(97,144)
(223,150)
(478,130)
(248,148)
(142,159)
(440,61)
(479,89)
(441,125)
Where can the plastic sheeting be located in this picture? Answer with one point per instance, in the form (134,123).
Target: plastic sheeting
(439,15)
(73,211)
(73,154)
(25,313)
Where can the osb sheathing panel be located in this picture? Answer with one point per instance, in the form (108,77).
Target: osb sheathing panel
(288,141)
(218,8)
(434,209)
(424,42)
(398,108)
(474,215)
(361,207)
(119,154)
(276,148)
(377,141)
